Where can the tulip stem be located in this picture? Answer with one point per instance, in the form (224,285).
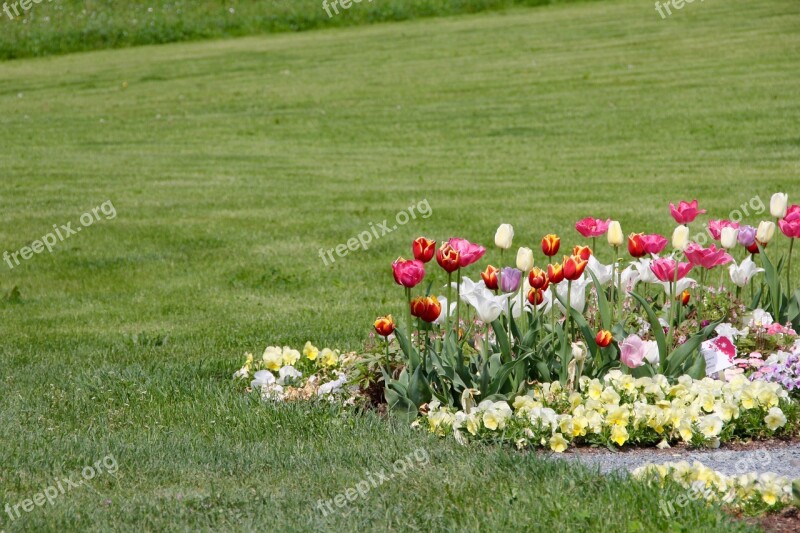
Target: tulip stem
(789,270)
(447,308)
(458,304)
(569,308)
(408,311)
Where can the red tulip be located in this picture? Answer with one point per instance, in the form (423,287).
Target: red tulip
(636,245)
(468,252)
(555,273)
(584,252)
(427,308)
(538,279)
(423,249)
(790,224)
(574,267)
(408,273)
(592,227)
(490,277)
(418,306)
(448,258)
(384,325)
(603,338)
(664,269)
(685,212)
(753,248)
(550,245)
(433,308)
(535,296)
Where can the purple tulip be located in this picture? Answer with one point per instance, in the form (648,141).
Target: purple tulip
(509,279)
(747,236)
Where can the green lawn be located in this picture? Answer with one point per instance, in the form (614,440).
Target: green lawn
(231,163)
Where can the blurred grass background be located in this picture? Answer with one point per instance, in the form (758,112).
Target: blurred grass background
(63,26)
(232,162)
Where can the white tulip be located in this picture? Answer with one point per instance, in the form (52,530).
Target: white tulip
(615,236)
(742,274)
(504,236)
(680,238)
(778,204)
(525,259)
(728,237)
(765,232)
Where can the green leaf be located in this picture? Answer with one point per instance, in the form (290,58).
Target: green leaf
(774,284)
(419,391)
(410,352)
(655,326)
(678,357)
(502,339)
(602,302)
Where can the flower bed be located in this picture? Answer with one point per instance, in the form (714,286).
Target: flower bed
(621,409)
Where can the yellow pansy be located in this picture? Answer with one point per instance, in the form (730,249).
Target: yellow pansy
(328,357)
(558,443)
(310,351)
(619,435)
(775,419)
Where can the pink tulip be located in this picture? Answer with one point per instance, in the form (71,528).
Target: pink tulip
(664,269)
(715,227)
(685,212)
(706,257)
(790,224)
(653,244)
(632,351)
(592,227)
(408,273)
(468,252)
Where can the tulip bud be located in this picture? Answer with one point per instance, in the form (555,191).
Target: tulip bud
(573,267)
(615,236)
(555,273)
(432,309)
(685,297)
(584,252)
(448,258)
(490,277)
(778,204)
(418,306)
(504,236)
(680,238)
(423,249)
(765,232)
(384,325)
(525,259)
(603,338)
(536,296)
(636,245)
(729,237)
(550,245)
(538,279)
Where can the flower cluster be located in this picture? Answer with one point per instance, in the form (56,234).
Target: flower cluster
(752,492)
(284,373)
(621,409)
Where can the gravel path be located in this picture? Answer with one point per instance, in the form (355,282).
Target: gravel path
(782,458)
